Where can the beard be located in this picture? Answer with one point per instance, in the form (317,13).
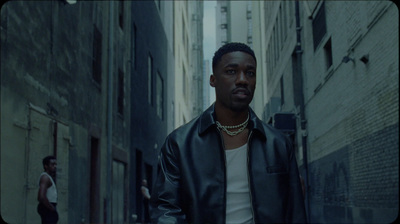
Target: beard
(238,105)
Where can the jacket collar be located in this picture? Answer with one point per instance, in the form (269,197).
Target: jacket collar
(207,120)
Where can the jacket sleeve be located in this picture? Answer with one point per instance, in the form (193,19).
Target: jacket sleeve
(296,207)
(165,206)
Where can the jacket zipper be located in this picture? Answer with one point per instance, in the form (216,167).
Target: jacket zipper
(248,176)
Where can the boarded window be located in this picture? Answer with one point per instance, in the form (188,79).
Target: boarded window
(120,97)
(160,96)
(97,52)
(319,26)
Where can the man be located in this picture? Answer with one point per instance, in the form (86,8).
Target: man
(47,195)
(227,166)
(146,197)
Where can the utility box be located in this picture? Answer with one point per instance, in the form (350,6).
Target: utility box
(285,122)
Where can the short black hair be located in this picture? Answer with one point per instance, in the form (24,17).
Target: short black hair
(46,160)
(231,47)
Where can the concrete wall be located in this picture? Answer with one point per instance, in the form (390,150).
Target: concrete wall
(352,114)
(348,148)
(46,68)
(46,79)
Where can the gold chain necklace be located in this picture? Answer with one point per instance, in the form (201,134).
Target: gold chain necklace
(241,127)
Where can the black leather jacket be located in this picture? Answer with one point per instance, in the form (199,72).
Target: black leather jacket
(191,183)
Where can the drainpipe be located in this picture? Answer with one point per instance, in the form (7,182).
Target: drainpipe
(303,120)
(109,111)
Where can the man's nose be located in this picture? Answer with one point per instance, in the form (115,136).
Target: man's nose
(242,78)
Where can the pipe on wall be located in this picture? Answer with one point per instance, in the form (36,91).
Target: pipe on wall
(107,211)
(303,119)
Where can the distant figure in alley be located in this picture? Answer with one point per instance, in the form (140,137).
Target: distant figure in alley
(146,198)
(47,195)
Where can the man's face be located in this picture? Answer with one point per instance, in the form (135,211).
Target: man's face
(51,168)
(234,80)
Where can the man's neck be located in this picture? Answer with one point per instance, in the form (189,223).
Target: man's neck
(50,174)
(229,117)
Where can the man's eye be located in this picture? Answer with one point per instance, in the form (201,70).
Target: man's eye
(251,73)
(231,71)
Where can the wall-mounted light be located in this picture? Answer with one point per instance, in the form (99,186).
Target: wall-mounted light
(347,59)
(365,58)
(71,2)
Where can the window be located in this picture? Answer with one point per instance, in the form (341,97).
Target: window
(250,40)
(276,43)
(319,26)
(97,48)
(185,39)
(94,183)
(249,9)
(150,79)
(282,92)
(120,89)
(328,54)
(160,95)
(184,85)
(249,25)
(281,27)
(183,31)
(121,14)
(284,18)
(134,46)
(268,57)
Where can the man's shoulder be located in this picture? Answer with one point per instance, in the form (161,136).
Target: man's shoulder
(45,179)
(44,176)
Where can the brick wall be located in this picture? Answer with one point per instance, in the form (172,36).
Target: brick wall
(352,114)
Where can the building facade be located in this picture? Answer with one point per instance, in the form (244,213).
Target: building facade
(196,14)
(90,83)
(152,82)
(188,45)
(330,81)
(234,22)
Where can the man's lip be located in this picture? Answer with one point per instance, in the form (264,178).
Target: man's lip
(241,90)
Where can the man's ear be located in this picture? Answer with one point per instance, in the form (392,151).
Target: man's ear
(212,80)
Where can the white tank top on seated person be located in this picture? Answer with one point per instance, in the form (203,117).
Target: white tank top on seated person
(51,193)
(238,203)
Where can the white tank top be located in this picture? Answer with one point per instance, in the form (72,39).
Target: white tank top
(238,204)
(52,190)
